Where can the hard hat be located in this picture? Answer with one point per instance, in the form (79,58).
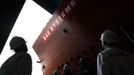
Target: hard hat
(16,42)
(109,37)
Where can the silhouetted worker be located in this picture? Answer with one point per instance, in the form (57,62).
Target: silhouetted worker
(67,69)
(20,63)
(83,66)
(56,72)
(113,60)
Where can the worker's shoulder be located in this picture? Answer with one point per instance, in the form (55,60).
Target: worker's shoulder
(111,52)
(23,54)
(117,54)
(108,51)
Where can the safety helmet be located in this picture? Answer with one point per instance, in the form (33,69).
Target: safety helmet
(109,37)
(16,42)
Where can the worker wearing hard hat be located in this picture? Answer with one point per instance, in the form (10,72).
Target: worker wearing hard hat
(56,72)
(67,69)
(20,63)
(113,60)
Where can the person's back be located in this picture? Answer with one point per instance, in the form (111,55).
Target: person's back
(120,62)
(20,63)
(113,60)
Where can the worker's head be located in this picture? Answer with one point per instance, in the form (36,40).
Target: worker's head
(83,61)
(56,72)
(67,67)
(18,44)
(109,38)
